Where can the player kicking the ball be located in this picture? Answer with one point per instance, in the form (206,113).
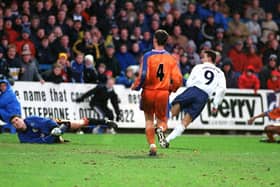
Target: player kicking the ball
(159,75)
(204,80)
(40,130)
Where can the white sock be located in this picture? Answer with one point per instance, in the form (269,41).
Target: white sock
(178,130)
(153,146)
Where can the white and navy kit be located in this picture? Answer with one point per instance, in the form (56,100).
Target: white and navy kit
(204,80)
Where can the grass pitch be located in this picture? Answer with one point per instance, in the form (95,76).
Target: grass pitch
(121,160)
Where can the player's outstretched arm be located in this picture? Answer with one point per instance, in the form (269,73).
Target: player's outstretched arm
(252,119)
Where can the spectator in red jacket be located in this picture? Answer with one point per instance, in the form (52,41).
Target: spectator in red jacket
(274,82)
(238,57)
(253,59)
(25,39)
(248,80)
(11,34)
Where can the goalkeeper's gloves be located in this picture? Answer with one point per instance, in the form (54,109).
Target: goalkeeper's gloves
(56,131)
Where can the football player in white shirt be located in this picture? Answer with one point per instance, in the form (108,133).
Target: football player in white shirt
(204,80)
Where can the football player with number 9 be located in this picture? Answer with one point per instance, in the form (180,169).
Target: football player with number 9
(204,80)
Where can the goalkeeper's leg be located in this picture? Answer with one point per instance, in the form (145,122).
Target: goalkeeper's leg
(77,124)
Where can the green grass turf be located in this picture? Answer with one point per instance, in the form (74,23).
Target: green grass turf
(121,160)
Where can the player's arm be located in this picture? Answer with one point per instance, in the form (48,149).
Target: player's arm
(252,119)
(45,125)
(220,92)
(87,94)
(176,78)
(139,81)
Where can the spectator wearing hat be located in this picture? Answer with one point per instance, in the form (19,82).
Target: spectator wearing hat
(66,66)
(125,58)
(193,57)
(11,34)
(29,71)
(77,66)
(254,28)
(208,28)
(25,39)
(237,31)
(273,82)
(113,37)
(267,69)
(272,49)
(206,46)
(248,80)
(110,60)
(230,74)
(90,73)
(268,26)
(253,59)
(54,75)
(238,57)
(185,67)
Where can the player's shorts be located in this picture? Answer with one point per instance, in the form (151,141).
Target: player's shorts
(155,102)
(192,101)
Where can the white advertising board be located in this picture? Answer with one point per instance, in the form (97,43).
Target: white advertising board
(58,101)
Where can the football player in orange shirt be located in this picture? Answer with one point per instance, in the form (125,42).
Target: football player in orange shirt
(270,130)
(159,75)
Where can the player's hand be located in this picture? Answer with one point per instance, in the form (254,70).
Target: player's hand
(250,121)
(56,131)
(214,111)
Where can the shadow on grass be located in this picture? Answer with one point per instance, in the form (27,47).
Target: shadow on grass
(137,157)
(182,149)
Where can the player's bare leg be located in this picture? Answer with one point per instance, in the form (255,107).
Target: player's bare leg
(150,133)
(270,130)
(175,110)
(179,129)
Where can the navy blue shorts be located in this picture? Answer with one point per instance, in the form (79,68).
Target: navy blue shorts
(192,101)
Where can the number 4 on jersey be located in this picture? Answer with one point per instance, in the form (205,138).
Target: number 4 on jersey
(160,73)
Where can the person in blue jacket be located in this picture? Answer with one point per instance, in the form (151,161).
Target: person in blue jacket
(35,129)
(9,105)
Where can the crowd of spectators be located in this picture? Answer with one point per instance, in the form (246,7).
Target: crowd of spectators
(87,41)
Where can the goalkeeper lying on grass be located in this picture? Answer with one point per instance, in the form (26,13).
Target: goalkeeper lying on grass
(36,129)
